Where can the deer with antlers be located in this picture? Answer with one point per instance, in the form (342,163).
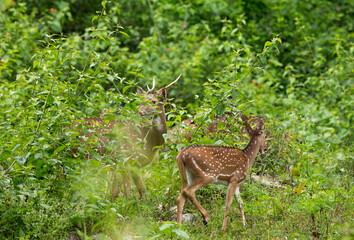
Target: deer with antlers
(149,133)
(201,165)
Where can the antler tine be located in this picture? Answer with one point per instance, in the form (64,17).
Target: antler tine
(169,85)
(153,85)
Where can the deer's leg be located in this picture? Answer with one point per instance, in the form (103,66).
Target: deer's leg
(239,200)
(181,198)
(126,182)
(139,183)
(230,193)
(180,204)
(115,189)
(190,191)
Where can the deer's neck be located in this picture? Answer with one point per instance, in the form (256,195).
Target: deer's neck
(159,124)
(154,136)
(251,150)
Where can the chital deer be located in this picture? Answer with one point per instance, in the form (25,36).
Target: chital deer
(201,165)
(149,133)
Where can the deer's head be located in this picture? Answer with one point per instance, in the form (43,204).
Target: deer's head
(258,134)
(153,104)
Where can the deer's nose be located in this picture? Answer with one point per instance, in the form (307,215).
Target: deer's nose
(264,149)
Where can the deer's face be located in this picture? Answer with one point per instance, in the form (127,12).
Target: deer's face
(263,143)
(259,134)
(153,103)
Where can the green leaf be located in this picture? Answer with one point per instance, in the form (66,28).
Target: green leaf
(166,226)
(76,219)
(21,160)
(38,156)
(267,44)
(54,161)
(141,75)
(125,89)
(35,63)
(180,233)
(158,236)
(234,94)
(56,26)
(262,58)
(220,109)
(110,78)
(50,100)
(221,125)
(59,149)
(124,33)
(95,163)
(14,149)
(94,18)
(45,206)
(219,142)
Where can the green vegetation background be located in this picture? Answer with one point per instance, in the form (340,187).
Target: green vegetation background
(288,61)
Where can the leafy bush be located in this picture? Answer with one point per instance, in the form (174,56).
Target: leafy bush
(287,61)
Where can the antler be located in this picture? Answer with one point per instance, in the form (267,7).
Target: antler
(153,85)
(169,85)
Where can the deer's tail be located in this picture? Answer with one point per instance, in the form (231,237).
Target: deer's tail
(182,170)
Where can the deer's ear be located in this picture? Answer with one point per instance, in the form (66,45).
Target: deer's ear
(260,126)
(249,129)
(140,91)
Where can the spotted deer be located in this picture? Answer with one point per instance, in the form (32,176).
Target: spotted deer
(138,142)
(201,165)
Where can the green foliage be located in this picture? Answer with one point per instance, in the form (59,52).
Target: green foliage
(171,230)
(290,62)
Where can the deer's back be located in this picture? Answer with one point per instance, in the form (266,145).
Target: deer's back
(218,162)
